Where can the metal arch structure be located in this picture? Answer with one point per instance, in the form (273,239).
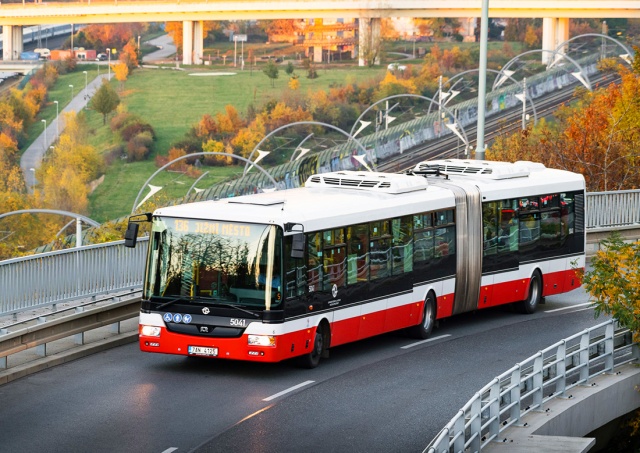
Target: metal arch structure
(406,96)
(459,76)
(297,123)
(193,186)
(85,219)
(201,153)
(597,35)
(79,219)
(555,52)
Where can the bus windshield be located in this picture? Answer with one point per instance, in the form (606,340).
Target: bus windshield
(205,261)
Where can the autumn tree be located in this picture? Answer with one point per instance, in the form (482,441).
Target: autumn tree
(121,72)
(105,100)
(129,54)
(67,170)
(102,36)
(283,28)
(614,282)
(595,136)
(531,38)
(294,83)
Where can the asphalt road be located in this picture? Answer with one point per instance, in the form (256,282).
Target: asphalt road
(385,394)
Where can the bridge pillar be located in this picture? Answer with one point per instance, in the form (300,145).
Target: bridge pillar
(554,31)
(198,42)
(369,40)
(12,42)
(187,42)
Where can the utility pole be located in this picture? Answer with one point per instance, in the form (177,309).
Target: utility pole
(482,79)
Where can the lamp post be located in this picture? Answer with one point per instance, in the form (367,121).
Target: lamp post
(109,63)
(45,144)
(139,54)
(85,84)
(57,120)
(71,86)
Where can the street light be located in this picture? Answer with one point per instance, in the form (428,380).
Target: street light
(139,54)
(85,84)
(57,120)
(44,144)
(71,86)
(109,63)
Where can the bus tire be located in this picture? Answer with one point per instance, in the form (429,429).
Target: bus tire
(529,305)
(424,329)
(312,359)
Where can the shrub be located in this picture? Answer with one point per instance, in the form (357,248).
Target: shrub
(139,147)
(131,130)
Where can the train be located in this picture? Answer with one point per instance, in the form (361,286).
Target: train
(40,33)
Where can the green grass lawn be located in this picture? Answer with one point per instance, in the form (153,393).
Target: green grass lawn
(172,101)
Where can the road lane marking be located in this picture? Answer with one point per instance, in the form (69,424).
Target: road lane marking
(568,308)
(290,389)
(424,341)
(170,450)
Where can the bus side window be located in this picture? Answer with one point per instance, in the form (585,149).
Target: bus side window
(380,250)
(402,251)
(358,253)
(529,230)
(334,259)
(423,237)
(314,263)
(490,227)
(295,283)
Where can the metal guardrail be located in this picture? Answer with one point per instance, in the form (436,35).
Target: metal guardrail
(527,386)
(611,210)
(54,277)
(22,336)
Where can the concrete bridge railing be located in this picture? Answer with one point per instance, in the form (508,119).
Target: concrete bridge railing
(530,387)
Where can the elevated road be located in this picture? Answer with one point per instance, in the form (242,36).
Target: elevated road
(148,11)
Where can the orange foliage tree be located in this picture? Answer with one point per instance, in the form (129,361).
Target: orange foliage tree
(102,36)
(596,136)
(121,72)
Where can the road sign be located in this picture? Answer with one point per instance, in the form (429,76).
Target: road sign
(240,38)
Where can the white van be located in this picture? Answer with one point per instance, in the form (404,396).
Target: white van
(45,54)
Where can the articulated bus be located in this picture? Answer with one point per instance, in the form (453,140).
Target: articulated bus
(289,274)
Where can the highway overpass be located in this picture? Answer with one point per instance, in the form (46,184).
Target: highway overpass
(192,13)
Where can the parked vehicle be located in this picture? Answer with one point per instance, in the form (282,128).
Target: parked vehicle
(101,57)
(30,56)
(45,54)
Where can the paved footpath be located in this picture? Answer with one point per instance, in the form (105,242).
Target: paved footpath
(32,157)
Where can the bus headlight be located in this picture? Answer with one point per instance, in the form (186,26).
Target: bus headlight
(261,340)
(150,331)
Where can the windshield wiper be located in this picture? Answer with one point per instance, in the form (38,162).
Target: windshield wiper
(171,302)
(215,301)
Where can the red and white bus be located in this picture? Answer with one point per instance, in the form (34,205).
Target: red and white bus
(273,276)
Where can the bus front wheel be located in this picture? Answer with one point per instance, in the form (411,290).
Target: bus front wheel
(312,359)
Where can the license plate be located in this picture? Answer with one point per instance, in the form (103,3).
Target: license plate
(201,350)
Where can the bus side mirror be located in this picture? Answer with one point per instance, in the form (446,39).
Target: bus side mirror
(297,245)
(131,235)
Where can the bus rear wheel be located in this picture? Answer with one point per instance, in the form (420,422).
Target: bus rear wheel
(424,329)
(529,305)
(312,359)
